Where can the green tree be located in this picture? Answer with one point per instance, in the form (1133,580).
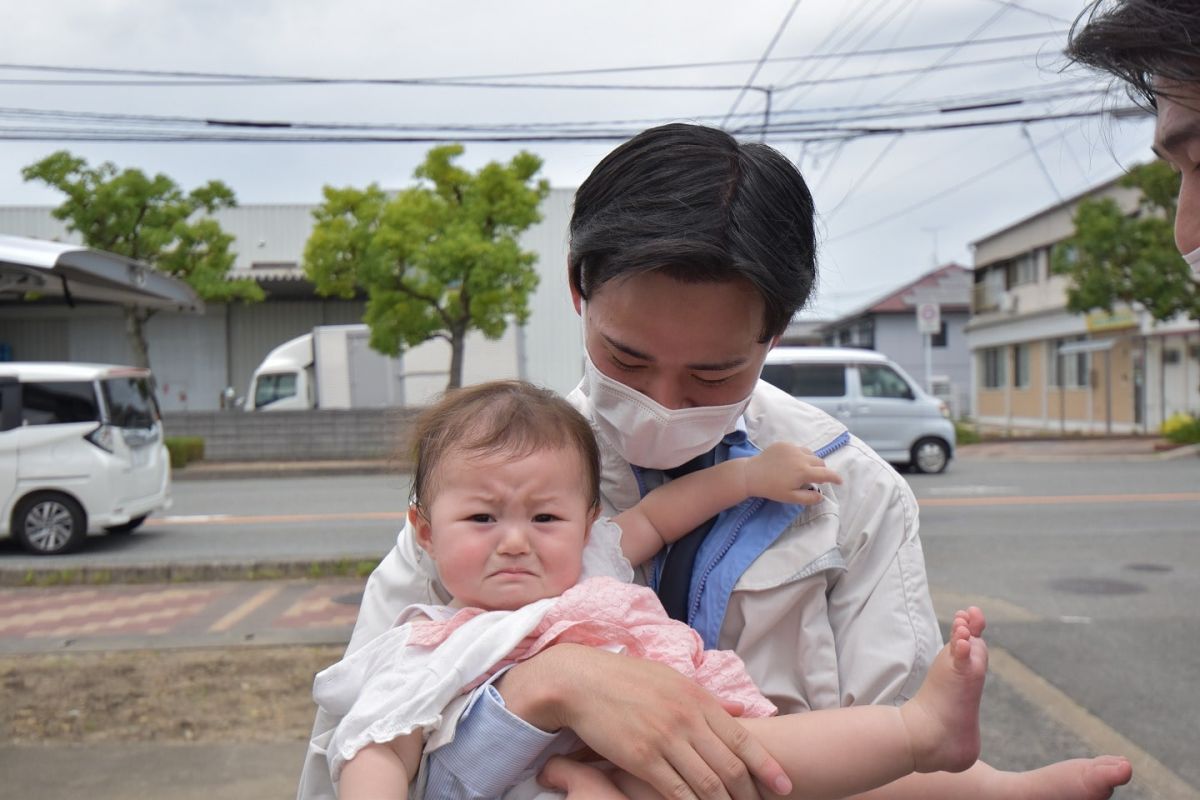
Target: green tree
(150,220)
(1116,257)
(436,260)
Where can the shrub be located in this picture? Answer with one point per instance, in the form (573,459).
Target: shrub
(184,450)
(966,432)
(1182,428)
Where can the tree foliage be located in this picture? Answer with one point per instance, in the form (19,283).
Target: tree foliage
(437,259)
(149,219)
(1115,257)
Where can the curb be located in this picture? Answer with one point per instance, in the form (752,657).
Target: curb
(188,573)
(239,470)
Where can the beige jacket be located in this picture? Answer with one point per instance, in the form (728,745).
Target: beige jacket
(836,612)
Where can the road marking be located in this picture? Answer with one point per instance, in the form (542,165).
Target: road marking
(255,519)
(1063,499)
(945,603)
(970,490)
(241,612)
(1152,776)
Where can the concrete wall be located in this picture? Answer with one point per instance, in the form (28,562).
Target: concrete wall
(297,435)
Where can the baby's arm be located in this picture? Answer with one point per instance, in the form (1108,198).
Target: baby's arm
(381,770)
(783,472)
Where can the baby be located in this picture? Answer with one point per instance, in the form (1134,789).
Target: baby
(505,498)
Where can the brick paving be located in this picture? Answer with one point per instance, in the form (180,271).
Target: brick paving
(200,614)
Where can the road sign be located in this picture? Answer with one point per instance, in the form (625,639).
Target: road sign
(929,318)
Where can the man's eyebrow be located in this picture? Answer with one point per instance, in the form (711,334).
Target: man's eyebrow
(1176,138)
(716,366)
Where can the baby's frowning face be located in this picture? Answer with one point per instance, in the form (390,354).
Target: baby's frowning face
(505,531)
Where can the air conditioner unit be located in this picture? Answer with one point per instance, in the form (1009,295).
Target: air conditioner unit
(1008,302)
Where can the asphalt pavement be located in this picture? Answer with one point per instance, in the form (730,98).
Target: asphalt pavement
(220,612)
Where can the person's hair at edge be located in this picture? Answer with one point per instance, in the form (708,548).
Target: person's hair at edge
(699,206)
(510,418)
(1138,41)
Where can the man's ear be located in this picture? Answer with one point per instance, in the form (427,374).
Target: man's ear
(576,299)
(774,342)
(422,530)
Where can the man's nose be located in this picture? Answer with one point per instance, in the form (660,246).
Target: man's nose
(666,391)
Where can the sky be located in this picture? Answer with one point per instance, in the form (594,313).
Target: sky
(854,86)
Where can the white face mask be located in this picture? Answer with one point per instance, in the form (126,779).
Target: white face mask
(646,433)
(1193,260)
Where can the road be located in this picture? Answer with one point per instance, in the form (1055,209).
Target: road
(1090,573)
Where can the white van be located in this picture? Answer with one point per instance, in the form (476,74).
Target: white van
(81,449)
(873,396)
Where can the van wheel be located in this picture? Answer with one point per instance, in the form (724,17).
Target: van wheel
(127,527)
(930,456)
(49,523)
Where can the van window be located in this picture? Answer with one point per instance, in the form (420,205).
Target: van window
(274,386)
(878,380)
(807,380)
(130,401)
(58,401)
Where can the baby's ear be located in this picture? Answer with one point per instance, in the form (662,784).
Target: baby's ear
(593,515)
(422,530)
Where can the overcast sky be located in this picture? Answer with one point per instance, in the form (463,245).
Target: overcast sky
(889,204)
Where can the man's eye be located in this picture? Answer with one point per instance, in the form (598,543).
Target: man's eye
(713,381)
(626,366)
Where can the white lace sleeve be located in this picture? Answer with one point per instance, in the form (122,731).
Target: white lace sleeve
(603,557)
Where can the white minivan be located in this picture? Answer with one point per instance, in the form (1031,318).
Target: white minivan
(81,449)
(873,396)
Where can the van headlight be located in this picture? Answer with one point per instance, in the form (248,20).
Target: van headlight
(945,409)
(102,437)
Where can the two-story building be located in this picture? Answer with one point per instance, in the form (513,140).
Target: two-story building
(1039,367)
(889,325)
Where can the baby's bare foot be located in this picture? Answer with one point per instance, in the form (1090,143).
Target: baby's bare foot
(1077,779)
(943,719)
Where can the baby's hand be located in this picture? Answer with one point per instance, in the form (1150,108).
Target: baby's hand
(787,473)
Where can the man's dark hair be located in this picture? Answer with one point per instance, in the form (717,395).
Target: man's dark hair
(695,204)
(1138,41)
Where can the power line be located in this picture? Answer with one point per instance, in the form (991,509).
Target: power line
(1041,14)
(762,60)
(285,79)
(945,192)
(274,136)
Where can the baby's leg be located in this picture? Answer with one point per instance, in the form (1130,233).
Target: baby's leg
(1075,779)
(381,770)
(943,717)
(838,752)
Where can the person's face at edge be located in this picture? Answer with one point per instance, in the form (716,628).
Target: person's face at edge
(1177,141)
(681,344)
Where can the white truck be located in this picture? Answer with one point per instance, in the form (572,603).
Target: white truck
(335,367)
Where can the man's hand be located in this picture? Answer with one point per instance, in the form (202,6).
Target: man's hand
(786,473)
(644,717)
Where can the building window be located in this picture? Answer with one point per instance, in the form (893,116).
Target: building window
(939,338)
(1023,269)
(1068,371)
(994,374)
(1021,366)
